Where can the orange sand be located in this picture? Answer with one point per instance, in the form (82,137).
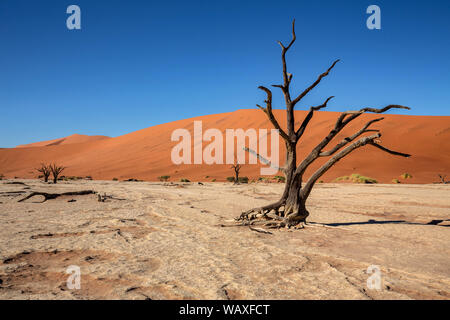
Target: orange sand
(145,154)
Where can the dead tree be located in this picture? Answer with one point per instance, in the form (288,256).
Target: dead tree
(236,167)
(442,178)
(290,210)
(56,171)
(45,170)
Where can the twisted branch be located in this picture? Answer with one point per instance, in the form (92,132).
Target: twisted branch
(361,142)
(268,110)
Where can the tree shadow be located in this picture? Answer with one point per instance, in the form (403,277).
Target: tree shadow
(372,221)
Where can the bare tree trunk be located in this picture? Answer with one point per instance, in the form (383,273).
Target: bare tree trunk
(295,209)
(236,167)
(45,170)
(56,171)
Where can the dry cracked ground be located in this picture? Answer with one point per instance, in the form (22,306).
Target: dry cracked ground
(167,241)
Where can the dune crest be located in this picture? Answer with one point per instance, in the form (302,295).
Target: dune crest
(74,138)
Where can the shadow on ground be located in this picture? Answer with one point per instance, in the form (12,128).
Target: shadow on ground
(372,221)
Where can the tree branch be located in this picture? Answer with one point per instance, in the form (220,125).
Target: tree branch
(361,142)
(341,123)
(316,175)
(309,116)
(396,153)
(268,111)
(304,93)
(287,77)
(262,159)
(357,113)
(350,138)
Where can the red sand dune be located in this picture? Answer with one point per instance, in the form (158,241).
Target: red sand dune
(75,138)
(145,154)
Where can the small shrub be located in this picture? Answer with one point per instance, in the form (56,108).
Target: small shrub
(70,178)
(320,181)
(406,176)
(185,180)
(2,176)
(163,178)
(115,179)
(395,181)
(230,179)
(206,177)
(280,178)
(213,180)
(356,178)
(243,179)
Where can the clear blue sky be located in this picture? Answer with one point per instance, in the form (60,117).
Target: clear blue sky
(137,64)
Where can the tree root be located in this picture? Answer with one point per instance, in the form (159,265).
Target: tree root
(263,212)
(50,196)
(259,230)
(271,216)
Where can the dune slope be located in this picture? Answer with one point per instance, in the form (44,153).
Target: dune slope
(146,154)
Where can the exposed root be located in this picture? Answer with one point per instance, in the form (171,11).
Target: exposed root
(263,212)
(272,216)
(259,230)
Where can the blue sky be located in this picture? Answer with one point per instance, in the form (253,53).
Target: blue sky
(136,64)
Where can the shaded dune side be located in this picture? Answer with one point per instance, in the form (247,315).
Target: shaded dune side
(146,154)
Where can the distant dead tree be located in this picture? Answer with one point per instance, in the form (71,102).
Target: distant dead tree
(56,171)
(236,167)
(290,210)
(442,178)
(45,170)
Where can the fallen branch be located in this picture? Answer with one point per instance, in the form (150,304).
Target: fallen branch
(102,198)
(50,196)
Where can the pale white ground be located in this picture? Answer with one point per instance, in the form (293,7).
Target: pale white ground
(167,242)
